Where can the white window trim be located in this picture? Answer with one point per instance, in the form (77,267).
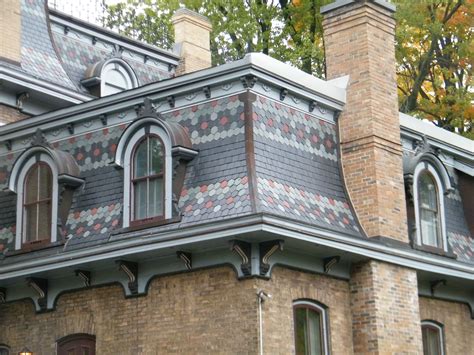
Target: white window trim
(20,188)
(323,312)
(441,332)
(121,66)
(421,168)
(131,142)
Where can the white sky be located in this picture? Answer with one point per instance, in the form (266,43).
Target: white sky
(87,10)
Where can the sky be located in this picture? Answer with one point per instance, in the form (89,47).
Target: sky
(87,10)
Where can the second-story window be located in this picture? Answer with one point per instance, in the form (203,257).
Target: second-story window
(310,328)
(37,203)
(429,210)
(432,333)
(148,179)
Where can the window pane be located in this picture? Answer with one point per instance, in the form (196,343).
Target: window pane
(428,209)
(431,341)
(300,331)
(156,156)
(156,197)
(44,220)
(45,181)
(31,185)
(314,325)
(140,195)
(427,193)
(31,214)
(140,160)
(429,227)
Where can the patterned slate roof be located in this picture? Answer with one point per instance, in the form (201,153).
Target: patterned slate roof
(38,57)
(297,168)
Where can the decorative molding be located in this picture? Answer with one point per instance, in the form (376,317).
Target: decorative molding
(8,144)
(85,276)
(248,81)
(38,138)
(41,288)
(207,91)
(226,86)
(70,128)
(329,262)
(283,93)
(311,106)
(20,99)
(295,99)
(434,285)
(103,119)
(131,270)
(171,101)
(267,249)
(266,87)
(244,250)
(88,124)
(3,295)
(187,259)
(191,96)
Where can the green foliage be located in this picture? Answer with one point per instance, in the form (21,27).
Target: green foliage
(434,44)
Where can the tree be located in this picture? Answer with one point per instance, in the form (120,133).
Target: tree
(434,56)
(434,44)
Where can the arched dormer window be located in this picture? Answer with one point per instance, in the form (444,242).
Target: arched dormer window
(433,338)
(311,328)
(428,195)
(153,154)
(109,77)
(39,176)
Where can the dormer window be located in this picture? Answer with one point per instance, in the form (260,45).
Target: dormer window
(148,179)
(109,77)
(37,205)
(44,180)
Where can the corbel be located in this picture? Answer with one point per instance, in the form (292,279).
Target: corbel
(138,109)
(243,249)
(20,99)
(267,249)
(434,285)
(170,67)
(8,144)
(85,276)
(311,106)
(3,295)
(248,81)
(41,288)
(38,138)
(70,128)
(283,93)
(207,91)
(329,262)
(186,257)
(67,29)
(94,40)
(103,119)
(146,57)
(131,270)
(337,114)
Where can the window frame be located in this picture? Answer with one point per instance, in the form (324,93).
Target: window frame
(439,327)
(427,168)
(133,221)
(127,145)
(20,236)
(4,348)
(324,319)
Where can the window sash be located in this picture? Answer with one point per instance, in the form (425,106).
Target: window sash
(309,330)
(428,210)
(432,343)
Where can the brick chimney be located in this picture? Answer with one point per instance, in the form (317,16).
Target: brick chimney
(10,31)
(192,40)
(359,37)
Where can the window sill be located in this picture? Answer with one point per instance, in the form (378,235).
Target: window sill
(144,224)
(434,250)
(29,247)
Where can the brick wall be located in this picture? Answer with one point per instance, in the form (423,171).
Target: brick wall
(359,41)
(287,286)
(457,321)
(10,30)
(9,114)
(385,313)
(202,312)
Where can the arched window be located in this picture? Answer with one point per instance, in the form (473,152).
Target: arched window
(148,179)
(429,207)
(310,322)
(37,203)
(77,344)
(4,350)
(433,338)
(116,76)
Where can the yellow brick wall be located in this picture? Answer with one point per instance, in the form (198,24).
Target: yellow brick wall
(457,321)
(10,30)
(9,114)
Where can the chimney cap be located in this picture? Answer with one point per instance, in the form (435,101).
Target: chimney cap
(341,3)
(184,12)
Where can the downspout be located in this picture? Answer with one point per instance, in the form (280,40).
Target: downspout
(262,296)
